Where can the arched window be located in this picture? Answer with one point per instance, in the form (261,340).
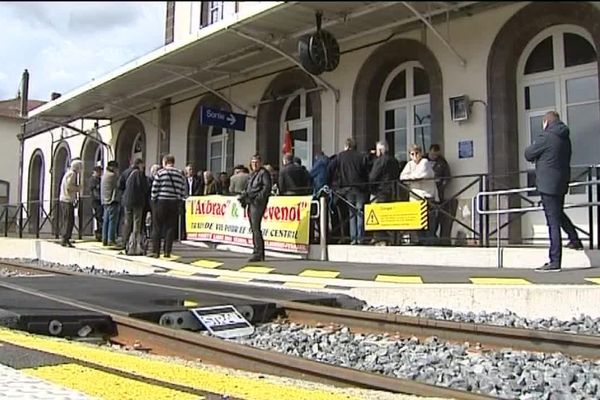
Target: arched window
(558,71)
(405,114)
(297,117)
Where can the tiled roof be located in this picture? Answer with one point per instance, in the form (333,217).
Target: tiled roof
(10,108)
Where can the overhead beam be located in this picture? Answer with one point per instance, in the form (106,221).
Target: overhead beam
(288,57)
(209,89)
(463,62)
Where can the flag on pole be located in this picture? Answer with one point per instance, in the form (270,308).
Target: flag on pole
(287,140)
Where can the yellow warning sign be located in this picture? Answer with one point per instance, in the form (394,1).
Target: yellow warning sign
(401,215)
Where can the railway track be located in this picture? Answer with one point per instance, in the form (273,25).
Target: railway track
(166,341)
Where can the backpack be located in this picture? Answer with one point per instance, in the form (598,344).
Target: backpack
(137,245)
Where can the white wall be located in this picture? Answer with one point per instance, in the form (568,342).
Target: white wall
(9,155)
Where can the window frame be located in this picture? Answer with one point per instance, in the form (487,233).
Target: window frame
(558,76)
(409,102)
(304,122)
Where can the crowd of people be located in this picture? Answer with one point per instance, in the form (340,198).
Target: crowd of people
(129,206)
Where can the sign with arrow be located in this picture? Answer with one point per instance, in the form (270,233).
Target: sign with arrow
(224,119)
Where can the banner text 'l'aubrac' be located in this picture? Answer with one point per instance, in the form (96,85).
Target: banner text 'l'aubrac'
(222,219)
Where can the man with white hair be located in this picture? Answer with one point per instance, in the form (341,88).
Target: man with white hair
(69,189)
(383,177)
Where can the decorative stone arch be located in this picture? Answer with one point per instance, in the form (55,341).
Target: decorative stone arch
(129,132)
(90,151)
(197,136)
(60,162)
(35,189)
(268,124)
(509,44)
(369,82)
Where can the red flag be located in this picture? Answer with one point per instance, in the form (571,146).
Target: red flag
(287,140)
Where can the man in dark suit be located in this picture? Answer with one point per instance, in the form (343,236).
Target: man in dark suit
(551,152)
(386,170)
(293,178)
(194,186)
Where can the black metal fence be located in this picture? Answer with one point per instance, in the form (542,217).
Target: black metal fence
(43,219)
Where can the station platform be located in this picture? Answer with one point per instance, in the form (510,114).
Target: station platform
(566,294)
(192,260)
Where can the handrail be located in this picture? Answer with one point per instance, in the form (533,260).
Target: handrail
(529,189)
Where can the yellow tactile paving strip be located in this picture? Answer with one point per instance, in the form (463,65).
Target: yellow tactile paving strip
(106,386)
(207,264)
(499,281)
(399,279)
(256,269)
(178,374)
(319,273)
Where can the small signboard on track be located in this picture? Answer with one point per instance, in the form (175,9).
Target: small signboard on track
(223,321)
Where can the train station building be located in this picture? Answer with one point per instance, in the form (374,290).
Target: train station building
(473,77)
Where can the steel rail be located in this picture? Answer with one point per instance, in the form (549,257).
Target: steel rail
(187,344)
(575,345)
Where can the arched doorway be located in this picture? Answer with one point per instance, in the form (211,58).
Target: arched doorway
(60,164)
(405,109)
(507,114)
(401,80)
(289,98)
(297,117)
(558,71)
(210,147)
(92,154)
(35,195)
(131,143)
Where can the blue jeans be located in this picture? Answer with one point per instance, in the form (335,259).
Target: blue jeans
(357,215)
(109,225)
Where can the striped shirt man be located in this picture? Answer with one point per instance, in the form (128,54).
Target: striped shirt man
(168,184)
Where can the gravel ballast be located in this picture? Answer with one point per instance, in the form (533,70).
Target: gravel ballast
(505,373)
(582,324)
(28,262)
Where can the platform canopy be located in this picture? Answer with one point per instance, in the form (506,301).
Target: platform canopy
(240,48)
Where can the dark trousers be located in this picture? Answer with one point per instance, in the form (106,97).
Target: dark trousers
(98,210)
(383,236)
(164,219)
(339,218)
(444,221)
(556,219)
(255,215)
(67,212)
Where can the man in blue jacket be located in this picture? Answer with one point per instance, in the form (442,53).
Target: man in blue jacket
(551,153)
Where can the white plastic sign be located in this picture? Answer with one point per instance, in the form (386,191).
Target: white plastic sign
(223,321)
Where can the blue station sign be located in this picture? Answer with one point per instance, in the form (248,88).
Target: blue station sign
(222,118)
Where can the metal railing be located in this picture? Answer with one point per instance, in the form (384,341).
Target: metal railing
(43,219)
(482,198)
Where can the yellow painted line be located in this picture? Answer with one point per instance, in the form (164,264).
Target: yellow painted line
(398,279)
(499,281)
(171,258)
(257,269)
(593,280)
(207,264)
(231,278)
(200,378)
(190,303)
(103,385)
(317,273)
(304,285)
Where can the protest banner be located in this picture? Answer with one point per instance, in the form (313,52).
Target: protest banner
(222,219)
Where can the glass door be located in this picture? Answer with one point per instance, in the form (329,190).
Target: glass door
(301,132)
